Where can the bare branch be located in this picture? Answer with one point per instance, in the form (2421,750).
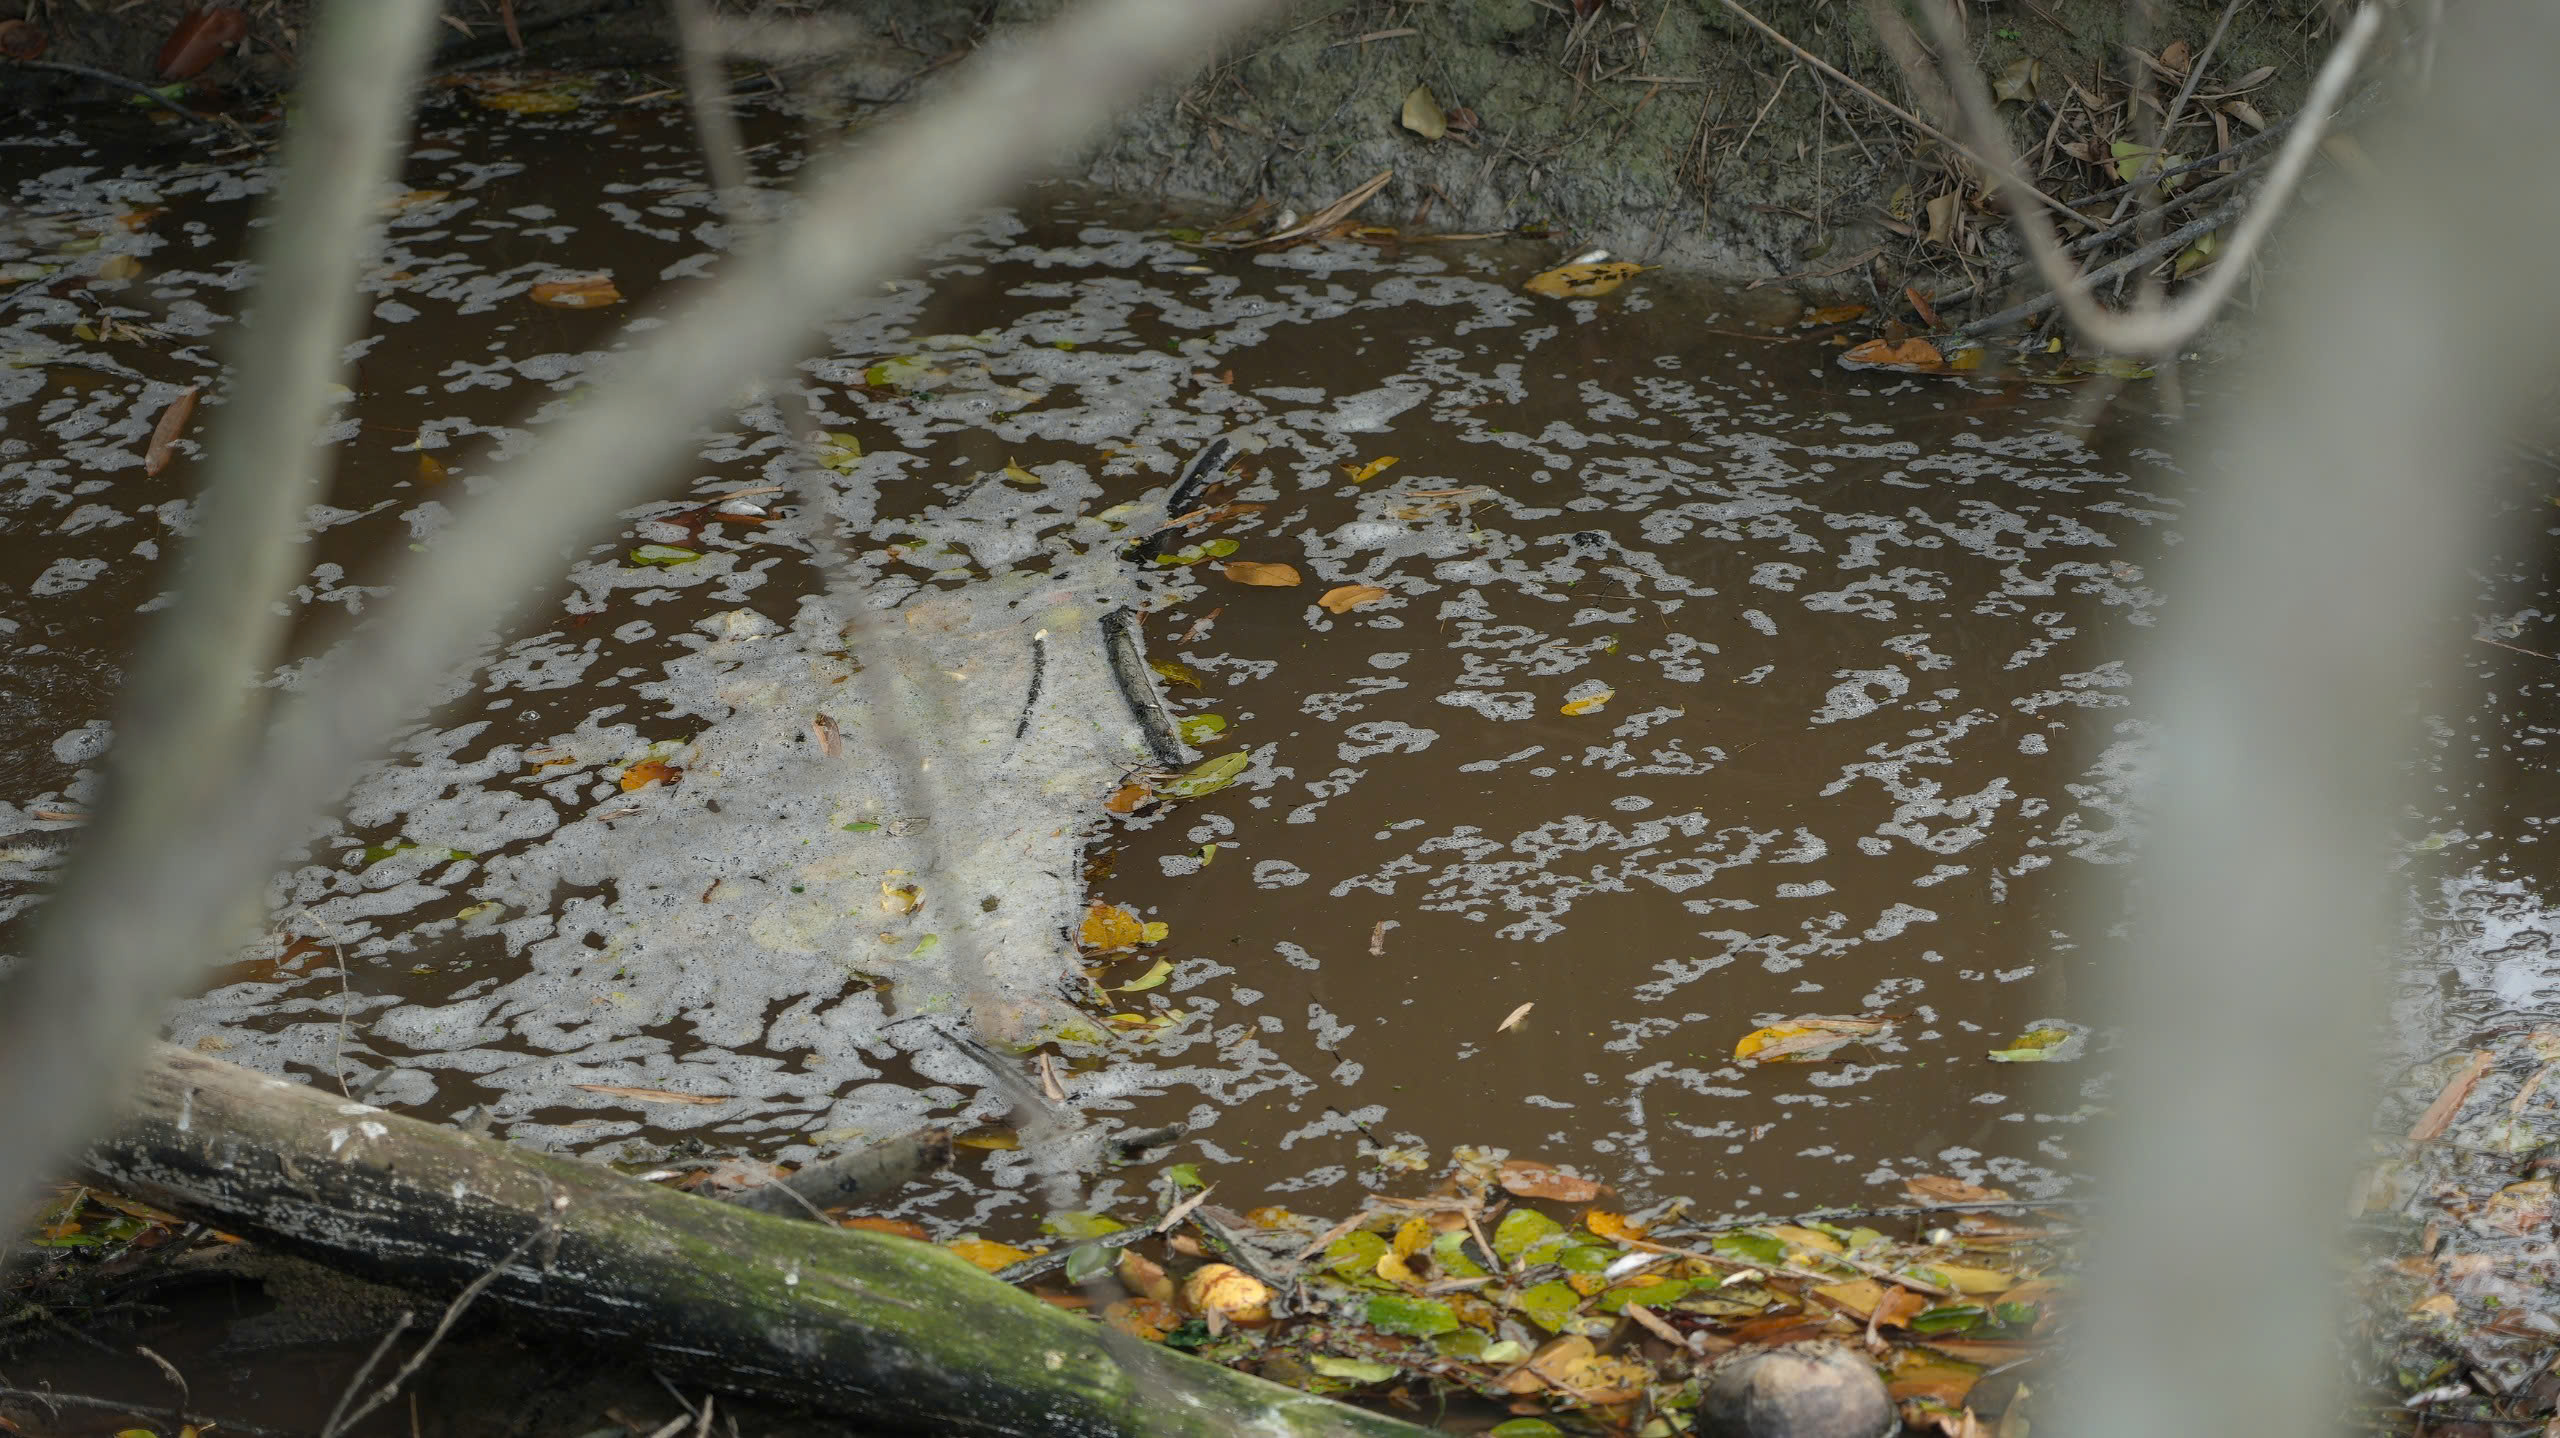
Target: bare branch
(2150,329)
(1880,102)
(117,944)
(84,1002)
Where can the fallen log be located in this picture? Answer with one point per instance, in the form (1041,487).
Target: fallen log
(898,1333)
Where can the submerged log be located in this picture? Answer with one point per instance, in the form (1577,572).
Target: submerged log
(896,1332)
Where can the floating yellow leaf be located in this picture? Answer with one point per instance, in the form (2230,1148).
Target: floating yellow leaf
(1361,474)
(556,101)
(986,1254)
(586,292)
(1966,1280)
(430,469)
(1269,576)
(1228,1291)
(119,267)
(1351,596)
(1588,703)
(897,898)
(2035,1046)
(1018,475)
(994,1140)
(411,200)
(1156,973)
(1605,1224)
(1583,281)
(1801,1040)
(1108,928)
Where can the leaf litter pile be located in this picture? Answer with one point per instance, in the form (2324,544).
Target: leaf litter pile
(1512,1284)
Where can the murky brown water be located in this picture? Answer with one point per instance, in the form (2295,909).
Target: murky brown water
(1862,641)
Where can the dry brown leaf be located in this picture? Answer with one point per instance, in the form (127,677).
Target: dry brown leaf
(1269,576)
(1127,798)
(1528,1178)
(1345,598)
(653,1095)
(829,734)
(164,435)
(895,1227)
(1516,1015)
(1423,115)
(586,292)
(2457,1091)
(1935,1188)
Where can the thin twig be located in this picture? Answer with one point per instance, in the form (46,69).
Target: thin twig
(426,1350)
(85,999)
(2168,244)
(51,1399)
(1890,108)
(110,77)
(2151,329)
(372,1361)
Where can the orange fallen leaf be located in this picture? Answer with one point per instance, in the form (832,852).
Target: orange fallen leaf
(1348,597)
(1269,576)
(1127,798)
(1611,1225)
(653,1095)
(164,435)
(897,1227)
(587,292)
(1582,281)
(648,772)
(1915,355)
(1528,1178)
(1835,314)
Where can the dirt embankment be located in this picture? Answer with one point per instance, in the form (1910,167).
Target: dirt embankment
(1669,131)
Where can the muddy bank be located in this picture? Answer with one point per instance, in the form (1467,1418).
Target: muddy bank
(1671,133)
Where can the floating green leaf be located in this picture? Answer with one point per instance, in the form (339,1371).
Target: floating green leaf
(1651,1295)
(1524,1428)
(1197,728)
(1549,1304)
(839,452)
(1452,1256)
(1175,673)
(1519,1229)
(1209,776)
(1077,1224)
(1467,1345)
(863,827)
(1411,1317)
(1953,1318)
(1355,1253)
(664,554)
(1184,1175)
(1757,1248)
(1354,1370)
